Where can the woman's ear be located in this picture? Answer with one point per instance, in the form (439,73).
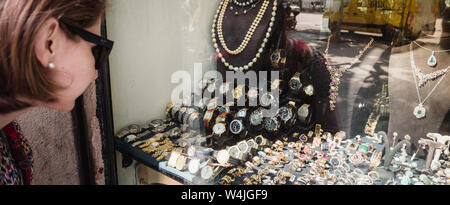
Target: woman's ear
(47,42)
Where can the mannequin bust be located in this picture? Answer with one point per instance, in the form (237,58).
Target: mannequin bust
(299,56)
(402,88)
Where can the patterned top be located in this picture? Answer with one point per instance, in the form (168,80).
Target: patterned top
(16,161)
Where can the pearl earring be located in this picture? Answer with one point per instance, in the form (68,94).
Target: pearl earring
(51,65)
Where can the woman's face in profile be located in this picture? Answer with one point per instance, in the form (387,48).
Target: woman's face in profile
(75,68)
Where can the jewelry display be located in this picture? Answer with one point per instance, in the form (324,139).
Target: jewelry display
(337,72)
(420,111)
(432,61)
(218,24)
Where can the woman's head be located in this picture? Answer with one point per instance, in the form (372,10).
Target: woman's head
(33,38)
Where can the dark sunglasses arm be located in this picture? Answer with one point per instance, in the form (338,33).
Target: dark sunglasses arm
(93,38)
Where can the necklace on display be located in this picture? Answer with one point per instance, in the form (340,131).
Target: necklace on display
(432,61)
(337,72)
(218,23)
(243,5)
(420,111)
(424,78)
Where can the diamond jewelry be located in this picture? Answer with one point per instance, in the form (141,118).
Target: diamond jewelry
(432,61)
(337,72)
(420,111)
(424,78)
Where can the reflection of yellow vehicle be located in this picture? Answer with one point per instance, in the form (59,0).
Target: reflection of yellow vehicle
(388,17)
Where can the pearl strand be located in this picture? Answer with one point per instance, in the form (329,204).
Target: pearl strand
(222,6)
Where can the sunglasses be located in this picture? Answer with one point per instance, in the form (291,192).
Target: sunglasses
(103,46)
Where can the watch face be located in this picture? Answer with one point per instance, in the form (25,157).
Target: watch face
(206,172)
(243,147)
(130,138)
(236,127)
(194,166)
(181,163)
(234,152)
(251,143)
(256,118)
(271,124)
(267,99)
(223,109)
(191,151)
(303,112)
(275,57)
(285,113)
(219,128)
(259,140)
(223,156)
(241,113)
(295,84)
(309,90)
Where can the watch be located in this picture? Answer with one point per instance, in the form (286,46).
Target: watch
(242,113)
(223,156)
(181,113)
(174,111)
(271,124)
(287,114)
(252,144)
(260,140)
(172,162)
(236,126)
(169,108)
(219,129)
(223,109)
(304,114)
(278,58)
(194,120)
(194,165)
(134,128)
(267,99)
(234,152)
(188,113)
(181,163)
(256,118)
(206,173)
(243,147)
(223,117)
(209,114)
(295,84)
(309,90)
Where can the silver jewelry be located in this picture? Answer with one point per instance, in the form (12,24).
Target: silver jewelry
(420,111)
(432,61)
(424,78)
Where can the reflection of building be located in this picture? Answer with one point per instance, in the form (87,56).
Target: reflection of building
(313,5)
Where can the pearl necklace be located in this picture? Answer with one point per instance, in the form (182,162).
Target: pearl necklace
(244,4)
(218,22)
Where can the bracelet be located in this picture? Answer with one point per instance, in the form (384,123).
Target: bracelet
(373,175)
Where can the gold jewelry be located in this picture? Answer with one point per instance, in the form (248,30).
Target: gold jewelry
(238,92)
(169,108)
(207,117)
(278,57)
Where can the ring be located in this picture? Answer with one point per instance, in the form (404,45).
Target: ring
(371,175)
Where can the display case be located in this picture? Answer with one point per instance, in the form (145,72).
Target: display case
(265,92)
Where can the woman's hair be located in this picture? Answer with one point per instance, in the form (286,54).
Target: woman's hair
(21,74)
